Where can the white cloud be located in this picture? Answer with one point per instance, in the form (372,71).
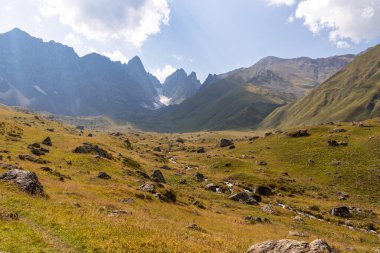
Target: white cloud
(280,2)
(116,56)
(347,21)
(131,20)
(163,73)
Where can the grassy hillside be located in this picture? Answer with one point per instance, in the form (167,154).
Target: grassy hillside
(89,214)
(227,104)
(350,95)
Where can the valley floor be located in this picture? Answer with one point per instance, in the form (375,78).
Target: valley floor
(84,213)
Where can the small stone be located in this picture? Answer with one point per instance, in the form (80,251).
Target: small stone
(47,141)
(103,175)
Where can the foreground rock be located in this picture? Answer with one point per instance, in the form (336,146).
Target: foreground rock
(291,246)
(27,181)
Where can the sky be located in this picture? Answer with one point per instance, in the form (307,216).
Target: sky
(205,36)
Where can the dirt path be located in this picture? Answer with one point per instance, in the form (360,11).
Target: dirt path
(53,240)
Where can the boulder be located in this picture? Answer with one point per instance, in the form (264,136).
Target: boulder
(195,227)
(212,187)
(200,150)
(298,133)
(148,187)
(343,212)
(180,140)
(157,149)
(337,130)
(241,196)
(199,177)
(34,145)
(47,141)
(31,158)
(261,163)
(263,190)
(290,246)
(269,209)
(88,148)
(37,152)
(255,220)
(27,181)
(158,177)
(103,175)
(198,204)
(167,196)
(225,143)
(142,174)
(334,143)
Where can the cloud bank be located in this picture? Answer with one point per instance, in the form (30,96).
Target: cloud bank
(346,21)
(130,20)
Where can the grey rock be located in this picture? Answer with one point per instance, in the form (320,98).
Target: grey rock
(148,187)
(290,246)
(27,181)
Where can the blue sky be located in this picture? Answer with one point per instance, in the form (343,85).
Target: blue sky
(205,36)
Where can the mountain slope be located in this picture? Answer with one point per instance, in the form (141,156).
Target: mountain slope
(226,105)
(180,86)
(52,77)
(244,97)
(352,94)
(84,211)
(295,76)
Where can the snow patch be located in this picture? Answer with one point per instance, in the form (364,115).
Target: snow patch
(165,100)
(38,88)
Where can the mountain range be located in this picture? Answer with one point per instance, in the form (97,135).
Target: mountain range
(273,93)
(49,76)
(244,97)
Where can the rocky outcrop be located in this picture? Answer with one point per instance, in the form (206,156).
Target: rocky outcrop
(225,143)
(88,148)
(291,246)
(27,181)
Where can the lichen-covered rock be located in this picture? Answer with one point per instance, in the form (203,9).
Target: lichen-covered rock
(148,187)
(27,181)
(290,246)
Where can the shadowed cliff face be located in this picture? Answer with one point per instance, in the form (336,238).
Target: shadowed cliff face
(52,77)
(179,86)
